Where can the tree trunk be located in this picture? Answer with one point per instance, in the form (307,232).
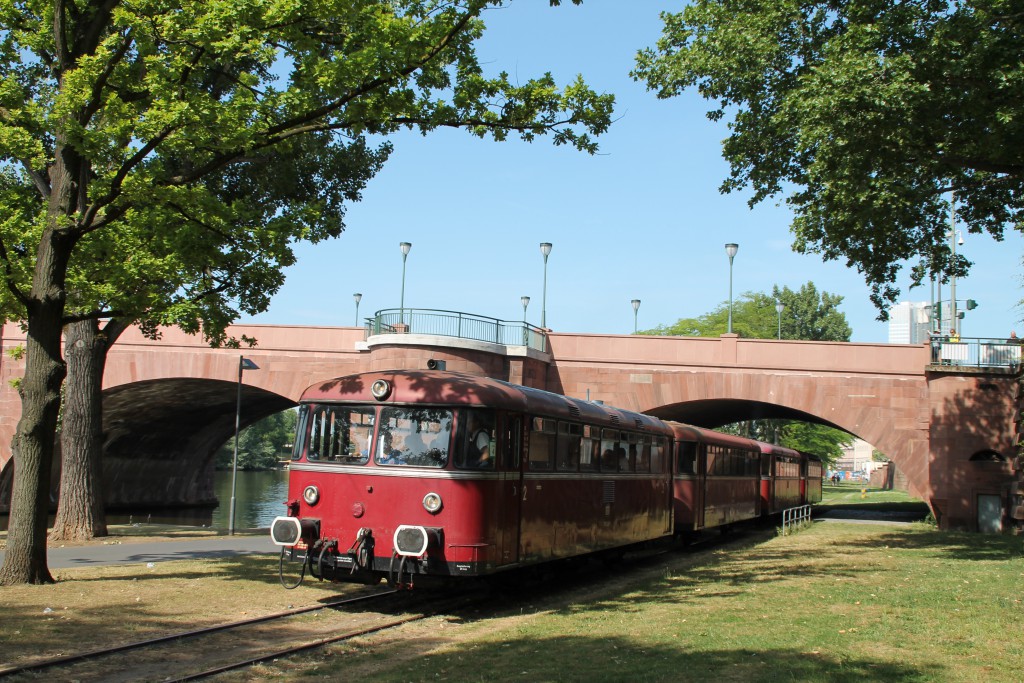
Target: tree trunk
(80,512)
(25,558)
(32,448)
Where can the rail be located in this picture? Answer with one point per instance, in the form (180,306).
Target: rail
(794,519)
(978,352)
(456,324)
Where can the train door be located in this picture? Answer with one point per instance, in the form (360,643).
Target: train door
(700,490)
(511,488)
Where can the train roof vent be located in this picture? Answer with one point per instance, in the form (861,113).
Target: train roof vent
(574,411)
(615,419)
(638,423)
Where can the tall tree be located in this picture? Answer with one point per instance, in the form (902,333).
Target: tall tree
(865,115)
(167,124)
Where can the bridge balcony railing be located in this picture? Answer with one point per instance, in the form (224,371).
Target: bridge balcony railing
(456,324)
(979,352)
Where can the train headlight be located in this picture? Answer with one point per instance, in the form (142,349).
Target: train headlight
(311,494)
(432,503)
(380,389)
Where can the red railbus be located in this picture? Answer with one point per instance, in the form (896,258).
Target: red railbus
(404,474)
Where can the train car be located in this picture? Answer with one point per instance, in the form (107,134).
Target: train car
(811,475)
(781,482)
(716,479)
(402,474)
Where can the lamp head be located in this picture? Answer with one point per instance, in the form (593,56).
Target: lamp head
(636,304)
(357,297)
(731,248)
(545,248)
(525,300)
(405,247)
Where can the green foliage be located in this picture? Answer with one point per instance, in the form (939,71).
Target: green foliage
(262,445)
(806,314)
(863,115)
(825,442)
(202,140)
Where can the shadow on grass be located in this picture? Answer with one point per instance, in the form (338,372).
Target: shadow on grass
(693,657)
(949,545)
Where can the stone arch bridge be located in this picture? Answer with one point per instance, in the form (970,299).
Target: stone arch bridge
(169,404)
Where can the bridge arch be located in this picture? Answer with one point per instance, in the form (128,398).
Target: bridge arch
(160,436)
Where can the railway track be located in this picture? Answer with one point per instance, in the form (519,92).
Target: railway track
(205,652)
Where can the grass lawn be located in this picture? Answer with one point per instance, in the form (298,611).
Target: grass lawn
(837,602)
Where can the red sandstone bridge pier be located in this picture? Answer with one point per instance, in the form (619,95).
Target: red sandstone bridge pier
(169,404)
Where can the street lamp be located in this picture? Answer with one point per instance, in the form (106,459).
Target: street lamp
(545,249)
(778,307)
(405,247)
(526,302)
(357,297)
(731,250)
(953,234)
(243,364)
(636,307)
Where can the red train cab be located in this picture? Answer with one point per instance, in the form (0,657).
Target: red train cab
(405,473)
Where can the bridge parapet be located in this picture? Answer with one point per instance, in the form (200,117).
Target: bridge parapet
(440,323)
(976,352)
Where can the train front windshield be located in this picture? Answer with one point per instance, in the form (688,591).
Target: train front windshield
(419,437)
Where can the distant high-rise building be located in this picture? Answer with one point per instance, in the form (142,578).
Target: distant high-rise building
(909,322)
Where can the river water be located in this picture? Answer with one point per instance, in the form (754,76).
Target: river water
(259,497)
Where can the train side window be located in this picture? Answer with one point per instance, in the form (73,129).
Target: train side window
(567,447)
(610,450)
(542,444)
(590,449)
(317,426)
(478,440)
(766,465)
(300,431)
(659,452)
(627,452)
(687,457)
(643,454)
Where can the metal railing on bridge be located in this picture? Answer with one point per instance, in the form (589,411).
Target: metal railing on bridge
(979,352)
(456,324)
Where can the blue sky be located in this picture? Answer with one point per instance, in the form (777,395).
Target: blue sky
(643,219)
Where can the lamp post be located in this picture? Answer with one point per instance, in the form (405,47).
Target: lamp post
(405,247)
(952,246)
(731,250)
(357,297)
(243,364)
(636,307)
(545,249)
(778,308)
(526,330)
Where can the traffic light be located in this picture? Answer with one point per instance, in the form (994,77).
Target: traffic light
(971,304)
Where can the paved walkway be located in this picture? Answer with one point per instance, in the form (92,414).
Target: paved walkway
(127,551)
